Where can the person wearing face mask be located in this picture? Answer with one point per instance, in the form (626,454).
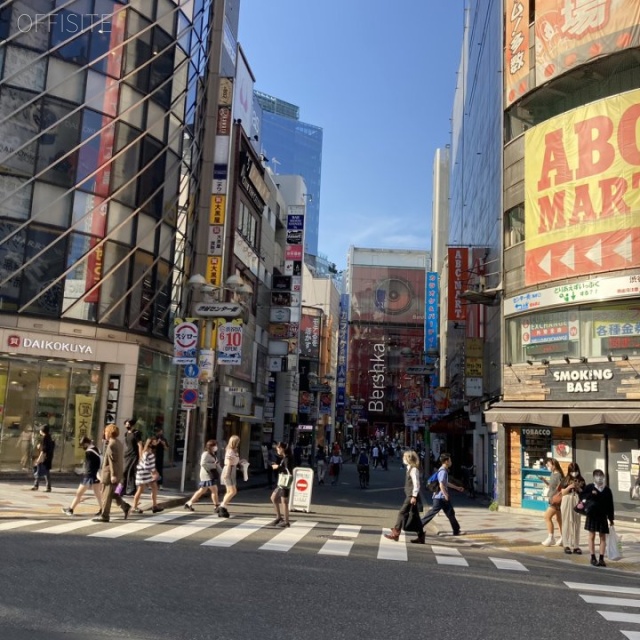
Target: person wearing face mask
(209,476)
(553,510)
(600,513)
(411,501)
(571,487)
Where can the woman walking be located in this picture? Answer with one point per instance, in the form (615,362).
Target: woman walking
(411,502)
(335,465)
(571,487)
(92,464)
(280,496)
(44,461)
(209,479)
(600,512)
(147,476)
(231,462)
(553,510)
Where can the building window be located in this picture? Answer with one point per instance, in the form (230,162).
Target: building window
(514,226)
(247,225)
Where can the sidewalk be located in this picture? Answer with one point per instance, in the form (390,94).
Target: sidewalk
(522,531)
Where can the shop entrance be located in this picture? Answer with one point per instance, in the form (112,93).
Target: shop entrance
(35,393)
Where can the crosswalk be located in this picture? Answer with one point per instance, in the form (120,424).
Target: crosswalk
(613,596)
(322,539)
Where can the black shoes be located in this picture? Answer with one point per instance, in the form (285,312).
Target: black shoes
(157,509)
(223,513)
(275,523)
(188,507)
(125,510)
(420,539)
(67,512)
(100,519)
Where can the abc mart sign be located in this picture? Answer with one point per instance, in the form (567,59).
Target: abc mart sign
(37,344)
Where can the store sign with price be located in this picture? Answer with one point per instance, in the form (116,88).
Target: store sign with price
(230,343)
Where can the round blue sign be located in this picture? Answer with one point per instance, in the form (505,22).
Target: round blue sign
(191,371)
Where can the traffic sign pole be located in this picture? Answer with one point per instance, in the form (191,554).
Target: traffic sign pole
(184,452)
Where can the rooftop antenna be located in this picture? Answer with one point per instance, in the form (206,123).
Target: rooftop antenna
(275,162)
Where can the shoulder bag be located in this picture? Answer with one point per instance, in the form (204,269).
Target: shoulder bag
(556,498)
(585,507)
(285,480)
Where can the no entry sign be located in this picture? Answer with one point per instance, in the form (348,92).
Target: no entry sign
(300,496)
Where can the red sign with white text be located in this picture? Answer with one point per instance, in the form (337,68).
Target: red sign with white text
(458,277)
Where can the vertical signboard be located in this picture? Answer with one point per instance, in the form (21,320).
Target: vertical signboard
(343,341)
(432,319)
(516,50)
(458,276)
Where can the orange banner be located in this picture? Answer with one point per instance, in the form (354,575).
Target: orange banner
(571,32)
(582,191)
(516,51)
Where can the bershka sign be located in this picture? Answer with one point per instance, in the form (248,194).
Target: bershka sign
(17,342)
(377,370)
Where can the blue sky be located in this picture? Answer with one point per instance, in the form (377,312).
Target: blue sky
(379,78)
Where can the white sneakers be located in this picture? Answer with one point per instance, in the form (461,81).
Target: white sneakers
(549,541)
(559,542)
(245,469)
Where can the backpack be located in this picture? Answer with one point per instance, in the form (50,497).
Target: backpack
(433,484)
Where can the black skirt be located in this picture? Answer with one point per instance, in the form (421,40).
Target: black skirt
(597,523)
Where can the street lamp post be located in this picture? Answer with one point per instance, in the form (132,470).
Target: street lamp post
(425,370)
(210,311)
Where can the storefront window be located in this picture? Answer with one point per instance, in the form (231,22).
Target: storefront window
(536,448)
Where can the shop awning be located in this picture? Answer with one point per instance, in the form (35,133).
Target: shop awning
(553,416)
(248,419)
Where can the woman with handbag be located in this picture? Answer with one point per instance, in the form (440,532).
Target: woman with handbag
(280,496)
(228,477)
(209,477)
(409,514)
(335,464)
(571,487)
(553,510)
(598,512)
(147,476)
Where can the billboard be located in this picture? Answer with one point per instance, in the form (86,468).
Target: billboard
(432,320)
(572,32)
(388,294)
(582,204)
(458,276)
(516,51)
(310,336)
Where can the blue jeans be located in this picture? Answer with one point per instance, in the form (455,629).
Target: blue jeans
(440,504)
(41,471)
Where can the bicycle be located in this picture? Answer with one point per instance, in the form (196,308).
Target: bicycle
(363,475)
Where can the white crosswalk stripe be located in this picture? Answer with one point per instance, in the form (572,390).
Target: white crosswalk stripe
(617,616)
(134,527)
(288,537)
(341,547)
(341,541)
(392,550)
(584,586)
(236,534)
(185,530)
(631,635)
(616,602)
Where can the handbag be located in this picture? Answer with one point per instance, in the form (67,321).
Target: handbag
(41,458)
(635,492)
(614,545)
(412,520)
(585,507)
(285,480)
(119,490)
(155,475)
(556,499)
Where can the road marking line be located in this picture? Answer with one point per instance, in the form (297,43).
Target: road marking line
(444,551)
(508,565)
(134,527)
(182,531)
(616,616)
(288,537)
(68,526)
(16,524)
(620,602)
(238,533)
(341,547)
(451,560)
(392,550)
(632,635)
(633,591)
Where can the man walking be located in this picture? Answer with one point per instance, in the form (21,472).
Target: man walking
(441,500)
(111,474)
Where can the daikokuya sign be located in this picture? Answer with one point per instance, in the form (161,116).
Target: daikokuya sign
(16,342)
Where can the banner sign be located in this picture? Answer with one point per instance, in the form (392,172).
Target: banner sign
(516,51)
(572,32)
(582,202)
(458,276)
(185,342)
(432,319)
(83,422)
(230,344)
(343,340)
(310,336)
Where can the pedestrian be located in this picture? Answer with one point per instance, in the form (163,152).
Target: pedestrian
(571,486)
(321,463)
(280,496)
(375,455)
(553,509)
(44,461)
(335,465)
(90,470)
(111,474)
(441,499)
(132,439)
(272,458)
(412,506)
(384,457)
(601,512)
(147,476)
(354,452)
(161,446)
(363,466)
(209,476)
(231,462)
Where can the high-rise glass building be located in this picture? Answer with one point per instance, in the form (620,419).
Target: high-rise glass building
(294,147)
(99,151)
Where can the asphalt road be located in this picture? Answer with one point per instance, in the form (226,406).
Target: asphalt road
(75,586)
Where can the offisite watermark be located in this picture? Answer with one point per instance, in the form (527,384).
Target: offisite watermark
(68,23)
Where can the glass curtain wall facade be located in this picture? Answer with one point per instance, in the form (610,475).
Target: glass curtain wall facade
(99,151)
